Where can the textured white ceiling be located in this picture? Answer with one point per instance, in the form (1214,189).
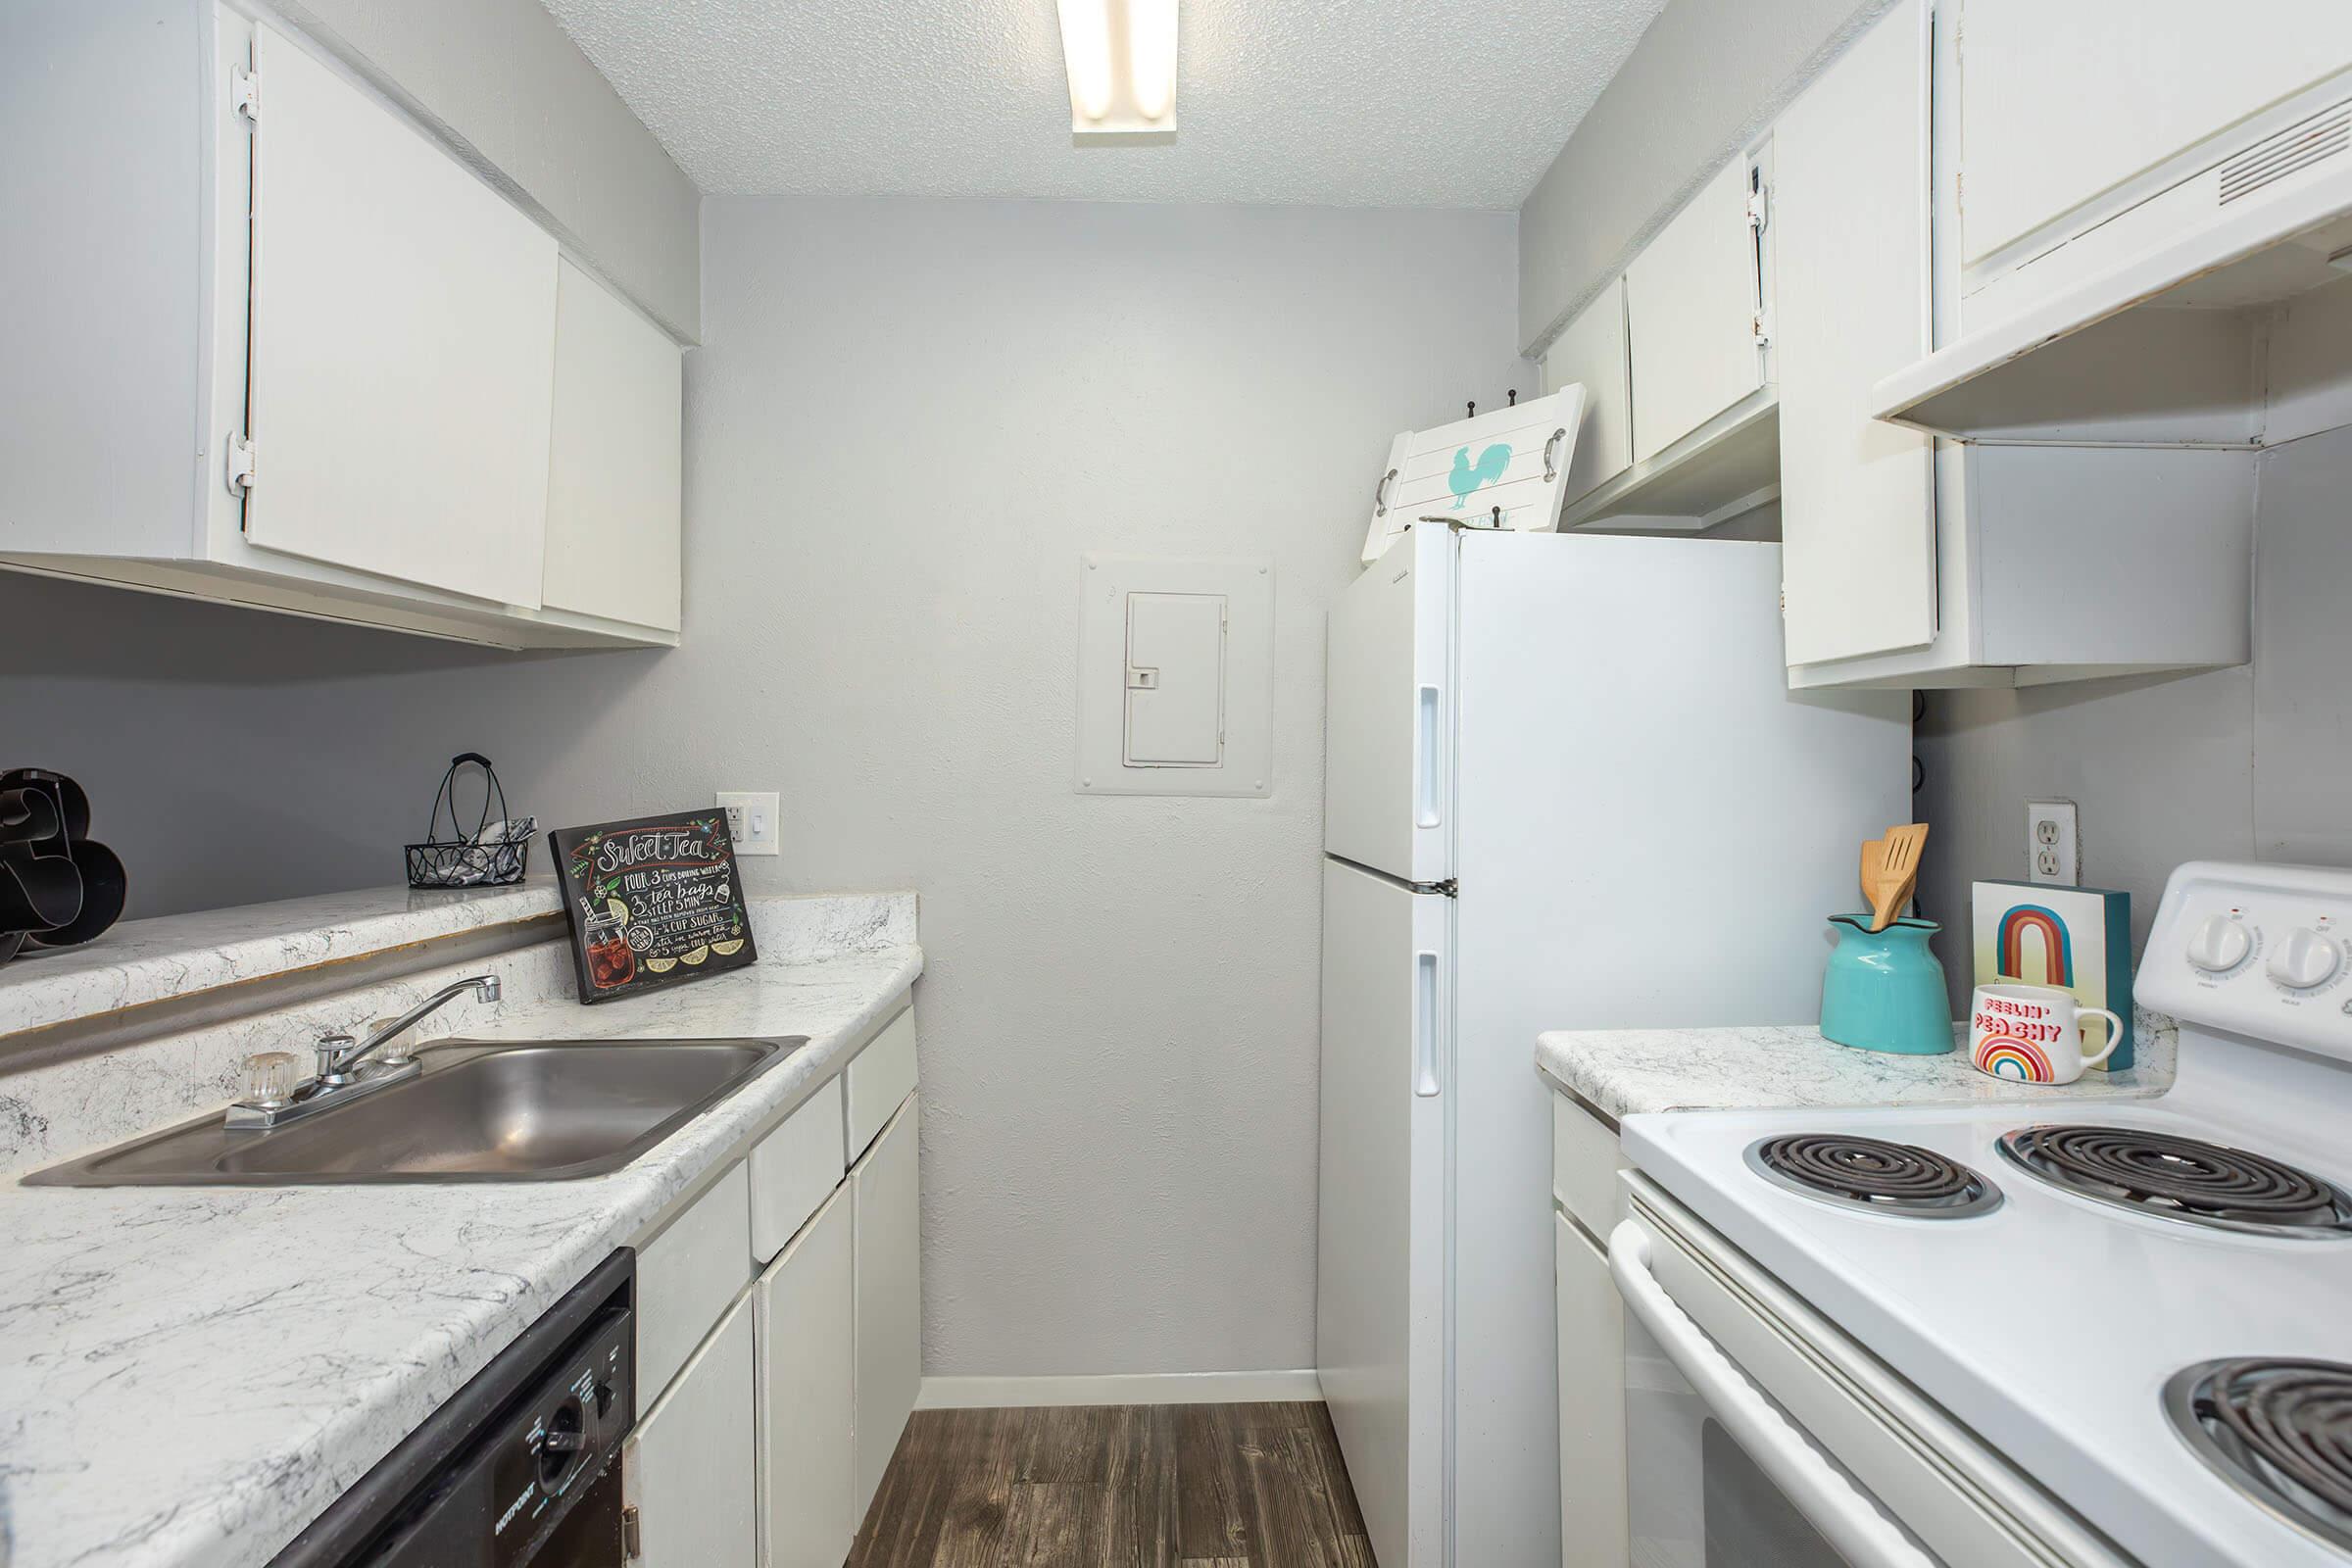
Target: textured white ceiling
(1355,102)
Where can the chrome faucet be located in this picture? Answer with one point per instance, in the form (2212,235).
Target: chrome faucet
(344,1071)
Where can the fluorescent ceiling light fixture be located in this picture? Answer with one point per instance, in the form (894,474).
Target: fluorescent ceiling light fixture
(1122,59)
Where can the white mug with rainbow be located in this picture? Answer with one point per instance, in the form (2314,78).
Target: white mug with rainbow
(2034,1034)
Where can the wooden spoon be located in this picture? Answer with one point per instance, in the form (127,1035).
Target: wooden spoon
(1896,875)
(1872,852)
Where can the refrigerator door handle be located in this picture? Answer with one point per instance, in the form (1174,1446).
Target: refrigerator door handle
(1425,774)
(1425,1024)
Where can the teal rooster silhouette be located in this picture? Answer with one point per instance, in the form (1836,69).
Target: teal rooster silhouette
(1468,476)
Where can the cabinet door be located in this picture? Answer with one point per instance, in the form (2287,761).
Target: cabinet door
(614,466)
(1592,1506)
(1851,206)
(1690,315)
(402,352)
(688,1274)
(690,1466)
(2061,103)
(805,1393)
(889,1296)
(1591,352)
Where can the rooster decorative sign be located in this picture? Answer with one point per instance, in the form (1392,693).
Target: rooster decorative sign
(1507,468)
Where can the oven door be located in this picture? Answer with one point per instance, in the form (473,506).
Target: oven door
(1759,1436)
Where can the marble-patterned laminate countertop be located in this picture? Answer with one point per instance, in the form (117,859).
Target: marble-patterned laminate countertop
(176,956)
(1620,1072)
(193,1374)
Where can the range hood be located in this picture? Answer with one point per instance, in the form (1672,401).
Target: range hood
(2216,313)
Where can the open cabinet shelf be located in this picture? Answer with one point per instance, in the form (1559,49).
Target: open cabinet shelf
(1727,467)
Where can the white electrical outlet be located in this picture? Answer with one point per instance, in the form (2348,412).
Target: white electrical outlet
(751,819)
(2053,842)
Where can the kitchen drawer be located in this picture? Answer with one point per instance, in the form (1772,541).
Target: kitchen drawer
(1585,1162)
(878,1081)
(793,1169)
(687,1276)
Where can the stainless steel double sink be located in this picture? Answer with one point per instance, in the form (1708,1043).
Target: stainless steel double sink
(479,1111)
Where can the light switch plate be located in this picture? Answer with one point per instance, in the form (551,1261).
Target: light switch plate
(751,819)
(2053,842)
(1175,676)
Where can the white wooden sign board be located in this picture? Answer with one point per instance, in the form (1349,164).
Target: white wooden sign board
(1513,457)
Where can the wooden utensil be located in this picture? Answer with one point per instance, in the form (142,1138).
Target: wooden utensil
(1890,884)
(1872,850)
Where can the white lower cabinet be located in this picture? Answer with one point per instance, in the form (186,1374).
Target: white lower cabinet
(1591,1325)
(687,1275)
(772,1400)
(803,1306)
(689,1466)
(887,1296)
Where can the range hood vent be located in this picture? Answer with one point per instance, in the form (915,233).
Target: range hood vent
(2323,135)
(2211,314)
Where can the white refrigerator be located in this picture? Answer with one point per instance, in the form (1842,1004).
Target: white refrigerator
(1565,788)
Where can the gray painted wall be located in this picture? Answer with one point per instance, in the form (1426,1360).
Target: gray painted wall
(501,78)
(2234,763)
(1707,77)
(910,419)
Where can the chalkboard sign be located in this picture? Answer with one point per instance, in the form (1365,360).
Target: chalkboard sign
(651,902)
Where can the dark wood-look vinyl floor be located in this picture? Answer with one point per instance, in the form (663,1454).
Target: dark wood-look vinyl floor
(1181,1486)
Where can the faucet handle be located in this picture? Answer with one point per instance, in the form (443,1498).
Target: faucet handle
(332,1049)
(270,1079)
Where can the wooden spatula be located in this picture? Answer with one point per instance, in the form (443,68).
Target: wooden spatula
(1890,884)
(1872,850)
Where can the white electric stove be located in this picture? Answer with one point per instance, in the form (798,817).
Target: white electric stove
(2045,1333)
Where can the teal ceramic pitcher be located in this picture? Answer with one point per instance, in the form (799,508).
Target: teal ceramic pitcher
(1884,990)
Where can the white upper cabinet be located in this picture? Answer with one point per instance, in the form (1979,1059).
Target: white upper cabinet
(613,469)
(1851,202)
(1691,310)
(404,323)
(2064,104)
(1591,352)
(285,349)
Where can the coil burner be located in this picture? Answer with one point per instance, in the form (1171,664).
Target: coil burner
(2185,1178)
(2280,1430)
(1870,1173)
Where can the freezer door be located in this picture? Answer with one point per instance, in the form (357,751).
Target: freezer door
(1388,764)
(1380,1258)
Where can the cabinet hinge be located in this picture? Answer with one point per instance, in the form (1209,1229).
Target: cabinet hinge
(1759,210)
(246,93)
(632,1543)
(240,464)
(1761,325)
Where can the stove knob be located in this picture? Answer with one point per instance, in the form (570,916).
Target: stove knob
(2306,960)
(2220,945)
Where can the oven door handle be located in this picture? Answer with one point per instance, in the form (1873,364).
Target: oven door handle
(1841,1510)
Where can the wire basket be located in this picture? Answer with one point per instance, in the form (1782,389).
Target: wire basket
(494,855)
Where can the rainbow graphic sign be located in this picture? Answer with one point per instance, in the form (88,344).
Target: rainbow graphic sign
(2076,939)
(2053,946)
(2007,1056)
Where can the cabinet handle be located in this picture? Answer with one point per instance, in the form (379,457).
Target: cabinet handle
(1380,494)
(1551,469)
(1425,1025)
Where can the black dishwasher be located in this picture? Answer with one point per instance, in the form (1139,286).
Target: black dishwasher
(521,1466)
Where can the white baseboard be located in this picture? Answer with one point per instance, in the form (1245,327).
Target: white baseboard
(1116,1387)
